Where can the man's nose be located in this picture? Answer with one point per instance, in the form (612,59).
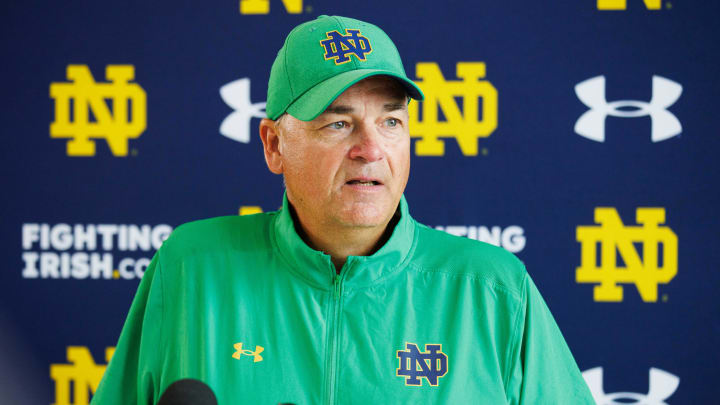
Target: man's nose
(367,144)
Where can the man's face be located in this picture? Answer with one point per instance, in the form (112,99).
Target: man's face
(349,166)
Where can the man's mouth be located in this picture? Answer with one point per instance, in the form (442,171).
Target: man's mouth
(364,182)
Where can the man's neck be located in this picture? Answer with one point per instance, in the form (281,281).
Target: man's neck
(343,241)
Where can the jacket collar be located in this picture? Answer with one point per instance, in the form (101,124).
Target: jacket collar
(359,271)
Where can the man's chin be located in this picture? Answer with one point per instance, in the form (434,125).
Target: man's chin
(360,223)
(370,217)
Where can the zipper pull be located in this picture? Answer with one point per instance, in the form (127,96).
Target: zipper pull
(337,287)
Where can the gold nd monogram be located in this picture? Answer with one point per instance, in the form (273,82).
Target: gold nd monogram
(614,237)
(82,372)
(462,123)
(263,6)
(622,4)
(116,126)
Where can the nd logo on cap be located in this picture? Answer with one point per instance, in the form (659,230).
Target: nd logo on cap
(341,47)
(303,81)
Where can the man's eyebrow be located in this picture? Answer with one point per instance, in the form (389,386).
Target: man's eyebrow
(338,109)
(394,107)
(344,109)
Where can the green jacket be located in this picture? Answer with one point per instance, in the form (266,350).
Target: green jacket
(243,304)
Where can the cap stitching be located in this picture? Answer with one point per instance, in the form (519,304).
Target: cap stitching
(353,61)
(401,79)
(287,73)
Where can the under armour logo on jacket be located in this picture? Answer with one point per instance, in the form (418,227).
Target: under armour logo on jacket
(255,354)
(591,124)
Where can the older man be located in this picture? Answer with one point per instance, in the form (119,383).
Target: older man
(340,297)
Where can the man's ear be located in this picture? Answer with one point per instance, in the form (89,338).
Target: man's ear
(271,145)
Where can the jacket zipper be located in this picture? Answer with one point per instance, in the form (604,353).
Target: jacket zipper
(334,337)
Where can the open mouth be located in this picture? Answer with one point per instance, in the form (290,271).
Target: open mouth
(364,182)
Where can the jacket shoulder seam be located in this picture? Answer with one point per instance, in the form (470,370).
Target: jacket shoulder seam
(161,336)
(515,340)
(516,293)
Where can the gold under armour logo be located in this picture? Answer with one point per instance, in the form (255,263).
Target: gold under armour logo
(614,237)
(462,121)
(116,126)
(256,354)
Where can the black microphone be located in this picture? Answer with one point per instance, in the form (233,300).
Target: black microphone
(188,391)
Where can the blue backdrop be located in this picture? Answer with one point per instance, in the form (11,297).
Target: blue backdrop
(582,136)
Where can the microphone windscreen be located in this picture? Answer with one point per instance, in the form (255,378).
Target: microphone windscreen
(188,391)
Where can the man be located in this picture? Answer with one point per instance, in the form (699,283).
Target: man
(340,296)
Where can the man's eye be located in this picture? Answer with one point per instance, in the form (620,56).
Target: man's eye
(392,122)
(338,125)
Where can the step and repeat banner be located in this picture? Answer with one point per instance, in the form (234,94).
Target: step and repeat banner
(581,136)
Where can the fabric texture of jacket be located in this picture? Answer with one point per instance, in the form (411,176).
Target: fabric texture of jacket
(244,305)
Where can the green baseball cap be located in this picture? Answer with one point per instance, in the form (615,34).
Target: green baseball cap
(322,58)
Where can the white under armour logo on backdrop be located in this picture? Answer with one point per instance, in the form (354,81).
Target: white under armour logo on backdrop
(661,386)
(236,94)
(591,124)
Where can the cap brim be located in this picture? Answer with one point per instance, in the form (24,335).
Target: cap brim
(311,104)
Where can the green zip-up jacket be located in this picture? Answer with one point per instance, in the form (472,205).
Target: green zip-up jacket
(244,305)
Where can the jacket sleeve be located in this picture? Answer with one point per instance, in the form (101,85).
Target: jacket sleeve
(132,375)
(543,368)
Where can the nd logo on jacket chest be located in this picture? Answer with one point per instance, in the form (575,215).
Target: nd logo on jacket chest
(415,365)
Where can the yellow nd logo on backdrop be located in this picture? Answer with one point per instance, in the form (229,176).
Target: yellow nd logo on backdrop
(622,4)
(263,6)
(461,122)
(116,126)
(614,237)
(82,373)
